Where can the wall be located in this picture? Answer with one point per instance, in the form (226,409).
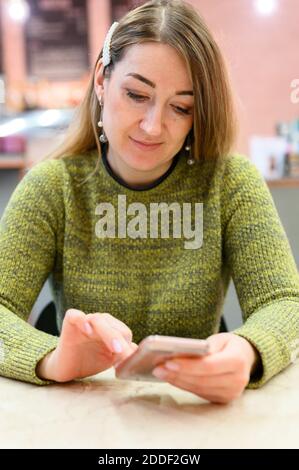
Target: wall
(263,56)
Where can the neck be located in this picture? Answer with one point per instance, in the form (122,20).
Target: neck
(133,177)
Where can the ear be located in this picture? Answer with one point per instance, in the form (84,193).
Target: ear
(99,79)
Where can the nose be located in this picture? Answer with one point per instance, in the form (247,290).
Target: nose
(152,122)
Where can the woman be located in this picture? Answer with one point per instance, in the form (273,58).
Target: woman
(156,127)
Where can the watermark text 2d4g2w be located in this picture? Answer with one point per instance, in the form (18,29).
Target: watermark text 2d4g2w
(295,92)
(186,221)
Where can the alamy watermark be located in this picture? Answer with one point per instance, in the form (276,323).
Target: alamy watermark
(295,92)
(144,223)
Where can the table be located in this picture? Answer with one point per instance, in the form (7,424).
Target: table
(106,413)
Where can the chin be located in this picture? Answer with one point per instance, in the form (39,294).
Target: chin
(142,162)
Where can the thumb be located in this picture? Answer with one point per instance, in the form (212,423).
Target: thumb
(218,342)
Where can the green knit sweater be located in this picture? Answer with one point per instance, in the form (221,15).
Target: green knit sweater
(154,284)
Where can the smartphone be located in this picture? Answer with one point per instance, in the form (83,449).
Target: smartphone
(156,349)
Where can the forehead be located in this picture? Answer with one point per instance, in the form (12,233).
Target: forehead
(157,62)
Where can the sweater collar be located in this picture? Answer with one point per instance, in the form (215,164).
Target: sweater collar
(122,183)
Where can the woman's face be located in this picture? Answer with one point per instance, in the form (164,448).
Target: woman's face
(149,99)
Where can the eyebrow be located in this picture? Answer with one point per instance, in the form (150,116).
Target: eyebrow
(153,85)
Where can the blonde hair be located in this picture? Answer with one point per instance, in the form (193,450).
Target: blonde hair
(178,24)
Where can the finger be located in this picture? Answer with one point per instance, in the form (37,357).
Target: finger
(74,323)
(117,324)
(215,393)
(86,323)
(216,364)
(72,315)
(117,362)
(75,318)
(210,381)
(79,318)
(224,381)
(111,337)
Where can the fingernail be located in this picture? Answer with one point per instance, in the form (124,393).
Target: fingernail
(117,347)
(172,366)
(88,329)
(159,372)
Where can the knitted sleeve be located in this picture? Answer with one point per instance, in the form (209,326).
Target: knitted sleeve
(28,236)
(262,266)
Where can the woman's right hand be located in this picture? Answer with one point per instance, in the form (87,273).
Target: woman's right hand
(88,344)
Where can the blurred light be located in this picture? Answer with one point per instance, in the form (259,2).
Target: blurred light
(265,7)
(49,117)
(18,10)
(12,127)
(2,91)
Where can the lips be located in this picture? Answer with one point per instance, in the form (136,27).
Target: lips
(149,144)
(145,147)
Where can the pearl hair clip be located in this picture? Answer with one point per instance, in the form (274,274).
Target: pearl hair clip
(107,42)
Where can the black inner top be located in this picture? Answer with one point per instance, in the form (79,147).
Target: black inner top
(142,188)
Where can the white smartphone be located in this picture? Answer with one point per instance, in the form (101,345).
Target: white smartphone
(156,349)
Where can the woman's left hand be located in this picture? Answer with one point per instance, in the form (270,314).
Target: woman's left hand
(219,377)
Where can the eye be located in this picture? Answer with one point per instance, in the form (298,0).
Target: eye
(140,99)
(182,110)
(135,97)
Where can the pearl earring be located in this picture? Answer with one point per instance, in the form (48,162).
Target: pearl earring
(103,137)
(190,159)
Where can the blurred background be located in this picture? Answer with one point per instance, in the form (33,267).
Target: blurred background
(47,52)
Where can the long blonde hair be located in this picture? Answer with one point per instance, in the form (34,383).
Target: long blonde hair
(178,24)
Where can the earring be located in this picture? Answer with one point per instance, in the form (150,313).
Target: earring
(103,137)
(190,159)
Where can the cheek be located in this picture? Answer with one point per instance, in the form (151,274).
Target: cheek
(121,118)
